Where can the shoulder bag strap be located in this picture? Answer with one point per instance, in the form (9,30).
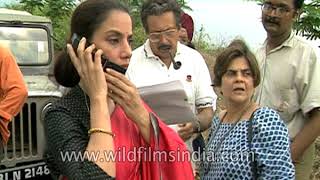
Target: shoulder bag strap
(253,162)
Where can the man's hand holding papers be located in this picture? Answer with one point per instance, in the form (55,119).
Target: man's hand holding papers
(169,102)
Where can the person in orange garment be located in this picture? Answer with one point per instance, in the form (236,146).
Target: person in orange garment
(13,92)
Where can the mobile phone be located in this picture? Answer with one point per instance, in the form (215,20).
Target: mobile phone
(106,63)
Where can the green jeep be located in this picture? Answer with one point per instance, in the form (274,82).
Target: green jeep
(29,39)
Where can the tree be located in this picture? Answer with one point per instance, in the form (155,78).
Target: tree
(308,24)
(59,11)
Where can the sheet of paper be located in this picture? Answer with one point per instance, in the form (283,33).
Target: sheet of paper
(169,102)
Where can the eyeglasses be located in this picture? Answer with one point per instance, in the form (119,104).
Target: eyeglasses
(155,36)
(279,10)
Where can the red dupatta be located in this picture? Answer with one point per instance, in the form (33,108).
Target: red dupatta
(129,143)
(138,162)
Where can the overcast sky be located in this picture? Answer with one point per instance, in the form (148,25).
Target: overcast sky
(226,19)
(223,20)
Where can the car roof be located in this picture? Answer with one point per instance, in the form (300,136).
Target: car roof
(8,15)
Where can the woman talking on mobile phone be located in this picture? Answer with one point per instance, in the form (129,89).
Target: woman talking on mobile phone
(102,129)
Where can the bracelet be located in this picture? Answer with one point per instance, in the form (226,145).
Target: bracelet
(100,130)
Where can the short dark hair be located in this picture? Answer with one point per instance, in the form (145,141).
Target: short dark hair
(298,4)
(158,7)
(86,18)
(237,48)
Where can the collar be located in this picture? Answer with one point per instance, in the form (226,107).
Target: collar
(150,55)
(287,43)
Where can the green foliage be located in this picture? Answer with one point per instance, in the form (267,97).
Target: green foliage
(31,5)
(59,11)
(19,7)
(204,43)
(308,24)
(202,40)
(183,4)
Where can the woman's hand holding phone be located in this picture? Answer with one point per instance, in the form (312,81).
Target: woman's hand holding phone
(105,62)
(124,93)
(91,73)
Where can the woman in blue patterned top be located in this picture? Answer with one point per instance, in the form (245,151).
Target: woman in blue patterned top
(247,141)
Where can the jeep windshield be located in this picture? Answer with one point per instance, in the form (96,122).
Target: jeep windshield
(29,44)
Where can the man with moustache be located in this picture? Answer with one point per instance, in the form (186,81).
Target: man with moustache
(162,58)
(290,84)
